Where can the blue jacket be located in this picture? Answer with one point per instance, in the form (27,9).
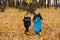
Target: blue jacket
(37,17)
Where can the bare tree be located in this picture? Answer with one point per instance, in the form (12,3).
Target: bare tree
(48,3)
(56,4)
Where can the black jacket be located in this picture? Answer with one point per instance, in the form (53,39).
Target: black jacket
(27,21)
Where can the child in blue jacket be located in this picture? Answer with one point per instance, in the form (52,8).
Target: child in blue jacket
(37,22)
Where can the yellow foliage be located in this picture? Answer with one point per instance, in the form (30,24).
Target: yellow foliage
(29,1)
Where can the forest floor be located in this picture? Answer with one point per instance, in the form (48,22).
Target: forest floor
(12,28)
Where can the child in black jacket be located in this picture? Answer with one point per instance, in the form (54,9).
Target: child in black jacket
(27,22)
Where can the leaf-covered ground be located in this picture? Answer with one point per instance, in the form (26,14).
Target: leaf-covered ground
(12,28)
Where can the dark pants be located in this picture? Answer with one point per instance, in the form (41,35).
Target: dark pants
(26,28)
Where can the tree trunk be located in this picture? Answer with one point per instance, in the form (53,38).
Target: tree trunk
(56,4)
(48,3)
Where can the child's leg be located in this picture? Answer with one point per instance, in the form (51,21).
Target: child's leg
(37,33)
(27,29)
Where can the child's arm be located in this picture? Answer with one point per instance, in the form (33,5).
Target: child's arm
(30,21)
(33,18)
(40,16)
(23,19)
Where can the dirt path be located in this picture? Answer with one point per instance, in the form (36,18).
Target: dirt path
(11,25)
